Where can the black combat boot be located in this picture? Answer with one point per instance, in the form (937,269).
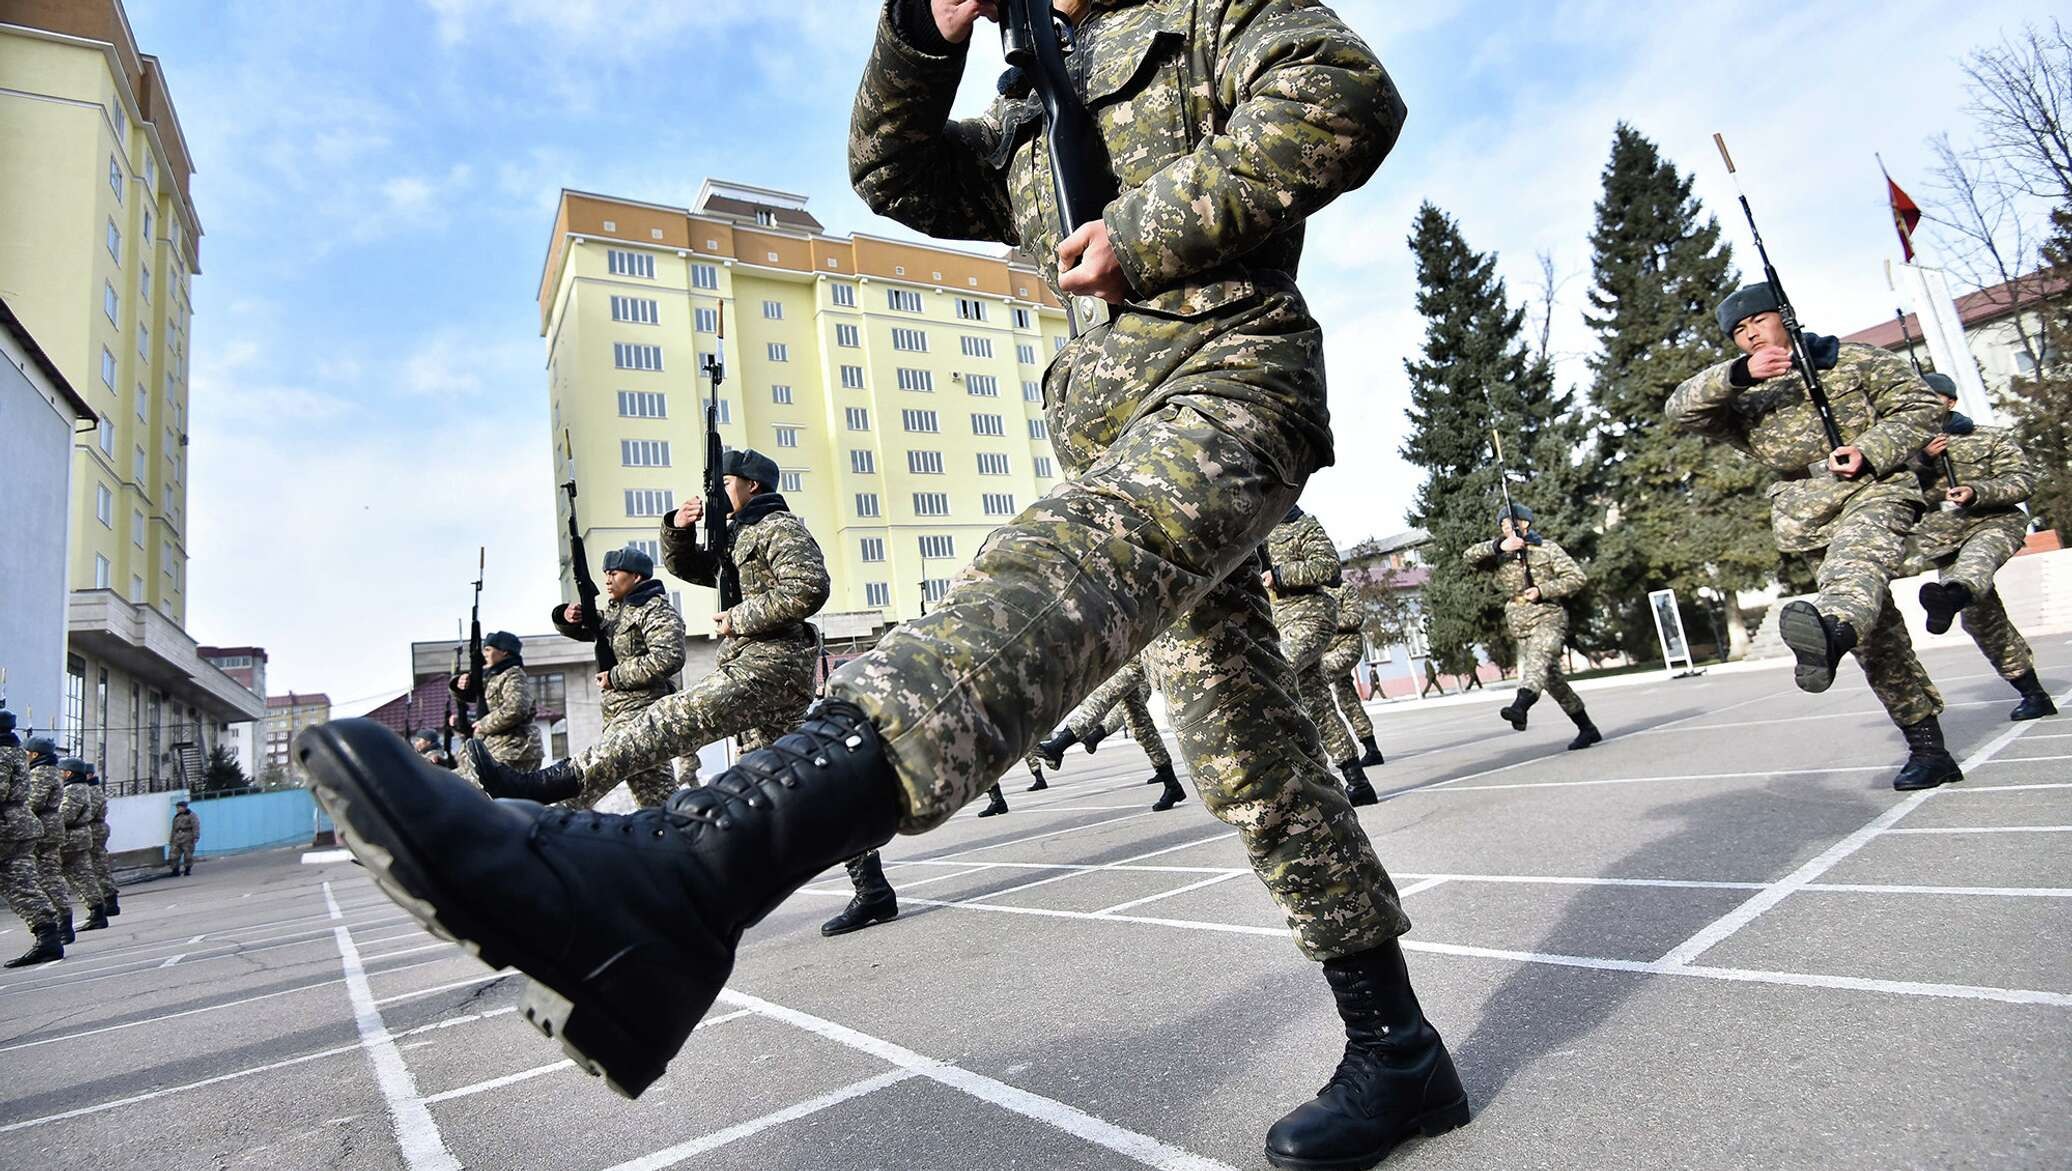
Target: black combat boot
(1819,642)
(1586,732)
(1040,784)
(43,951)
(1093,739)
(1173,794)
(1372,756)
(1356,787)
(1928,763)
(113,906)
(996,806)
(1053,750)
(874,900)
(65,932)
(97,920)
(173,870)
(556,782)
(1942,600)
(1396,1079)
(626,923)
(1521,703)
(2036,702)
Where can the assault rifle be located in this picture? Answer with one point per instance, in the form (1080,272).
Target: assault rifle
(1949,466)
(1503,481)
(473,693)
(726,576)
(446,723)
(1801,356)
(1082,185)
(592,624)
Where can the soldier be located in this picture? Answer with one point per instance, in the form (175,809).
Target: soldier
(1341,658)
(98,831)
(1979,527)
(1846,510)
(46,801)
(505,727)
(647,635)
(1035,762)
(1533,614)
(1189,412)
(19,831)
(426,742)
(1301,567)
(1126,695)
(186,832)
(78,851)
(996,802)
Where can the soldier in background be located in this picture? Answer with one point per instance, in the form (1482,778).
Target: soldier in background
(1846,510)
(505,728)
(647,635)
(1126,697)
(426,742)
(1301,567)
(1979,527)
(46,801)
(185,835)
(78,811)
(19,831)
(1534,616)
(98,831)
(1341,658)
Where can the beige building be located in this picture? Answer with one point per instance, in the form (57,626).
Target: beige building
(286,717)
(896,385)
(2003,327)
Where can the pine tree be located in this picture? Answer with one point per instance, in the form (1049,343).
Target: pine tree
(1475,370)
(223,774)
(1690,513)
(2039,407)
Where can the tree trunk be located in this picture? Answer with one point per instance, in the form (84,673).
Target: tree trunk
(1737,630)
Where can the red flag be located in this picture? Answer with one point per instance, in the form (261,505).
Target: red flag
(1906,216)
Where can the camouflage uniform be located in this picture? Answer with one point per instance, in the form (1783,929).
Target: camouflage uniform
(1125,699)
(185,833)
(1341,657)
(78,812)
(98,833)
(505,726)
(1305,567)
(1541,627)
(46,801)
(20,830)
(1969,545)
(1852,532)
(647,634)
(1188,422)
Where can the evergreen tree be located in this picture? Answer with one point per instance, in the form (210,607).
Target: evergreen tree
(2039,407)
(1689,513)
(1475,372)
(223,774)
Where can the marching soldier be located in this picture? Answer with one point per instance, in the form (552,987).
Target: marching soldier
(1302,566)
(504,729)
(1127,695)
(1341,657)
(1846,510)
(1534,616)
(647,635)
(426,742)
(78,854)
(1189,411)
(1978,529)
(98,832)
(46,801)
(185,835)
(19,831)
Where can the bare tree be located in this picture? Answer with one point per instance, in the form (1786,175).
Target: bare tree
(1995,226)
(2021,99)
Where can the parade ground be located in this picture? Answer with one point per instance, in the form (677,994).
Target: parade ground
(1716,940)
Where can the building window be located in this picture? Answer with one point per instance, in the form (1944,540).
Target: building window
(1057,344)
(993,425)
(856,418)
(866,504)
(788,436)
(622,262)
(1038,429)
(638,310)
(852,378)
(877,593)
(871,549)
(911,340)
(791,482)
(144,408)
(916,379)
(924,463)
(765,217)
(106,430)
(550,692)
(1021,319)
(75,704)
(111,304)
(903,300)
(723,409)
(705,276)
(924,422)
(1031,392)
(139,466)
(934,588)
(982,385)
(779,352)
(643,404)
(1025,353)
(104,506)
(107,368)
(843,294)
(998,504)
(115,178)
(863,461)
(136,588)
(143,341)
(848,335)
(647,502)
(137,527)
(938,546)
(147,227)
(630,356)
(101,571)
(1043,470)
(706,320)
(780,394)
(992,463)
(144,282)
(976,347)
(115,243)
(773,311)
(643,453)
(931,504)
(970,310)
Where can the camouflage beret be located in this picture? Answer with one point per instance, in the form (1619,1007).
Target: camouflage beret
(750,464)
(1943,384)
(504,641)
(1745,303)
(629,560)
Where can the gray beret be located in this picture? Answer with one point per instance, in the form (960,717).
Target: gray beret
(750,464)
(426,735)
(504,641)
(41,746)
(1944,385)
(630,560)
(1744,304)
(1518,511)
(6,721)
(73,764)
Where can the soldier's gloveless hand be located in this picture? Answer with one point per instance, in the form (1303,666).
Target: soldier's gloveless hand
(1938,445)
(725,622)
(574,614)
(1769,362)
(1512,543)
(604,681)
(690,512)
(1847,462)
(954,18)
(1087,266)
(1962,496)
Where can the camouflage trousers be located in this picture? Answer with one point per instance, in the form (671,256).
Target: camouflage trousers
(1339,660)
(758,691)
(104,872)
(1153,533)
(22,884)
(1308,623)
(1855,573)
(179,855)
(50,868)
(650,786)
(1124,700)
(1974,563)
(1539,662)
(80,876)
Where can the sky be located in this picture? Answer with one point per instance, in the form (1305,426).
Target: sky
(376,183)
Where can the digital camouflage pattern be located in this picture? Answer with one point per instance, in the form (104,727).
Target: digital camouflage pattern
(1969,545)
(647,635)
(1124,700)
(1341,657)
(80,874)
(46,801)
(1188,422)
(180,841)
(1305,567)
(98,833)
(505,726)
(1541,628)
(763,680)
(1874,534)
(20,882)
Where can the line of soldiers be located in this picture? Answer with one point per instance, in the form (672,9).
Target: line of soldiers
(53,843)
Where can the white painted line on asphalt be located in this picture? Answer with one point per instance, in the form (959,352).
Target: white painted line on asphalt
(470,982)
(1988,829)
(2003,788)
(671,1156)
(407,951)
(2000,892)
(1422,884)
(1039,837)
(903,885)
(238,935)
(134,1099)
(1096,868)
(417,1134)
(1564,880)
(174,960)
(1210,881)
(93,975)
(2052,736)
(1140,1148)
(198,938)
(319,857)
(1077,809)
(1782,772)
(1873,711)
(498,1083)
(1092,865)
(2024,759)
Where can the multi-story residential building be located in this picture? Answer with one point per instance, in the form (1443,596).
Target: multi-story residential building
(246,666)
(897,385)
(98,247)
(286,717)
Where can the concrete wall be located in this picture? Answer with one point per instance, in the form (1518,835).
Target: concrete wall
(254,821)
(142,822)
(35,483)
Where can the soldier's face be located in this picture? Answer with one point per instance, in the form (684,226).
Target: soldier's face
(618,583)
(739,490)
(494,655)
(1755,333)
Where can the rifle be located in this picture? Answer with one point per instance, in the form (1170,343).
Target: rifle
(1800,355)
(725,576)
(1503,482)
(446,723)
(476,667)
(579,563)
(1949,466)
(1082,185)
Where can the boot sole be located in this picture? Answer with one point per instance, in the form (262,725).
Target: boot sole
(872,920)
(2049,709)
(1800,627)
(1515,719)
(1951,777)
(1430,1124)
(1935,601)
(1371,760)
(380,841)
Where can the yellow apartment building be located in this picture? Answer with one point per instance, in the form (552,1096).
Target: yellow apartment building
(896,385)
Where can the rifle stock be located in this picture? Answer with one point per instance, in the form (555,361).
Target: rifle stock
(579,565)
(1082,184)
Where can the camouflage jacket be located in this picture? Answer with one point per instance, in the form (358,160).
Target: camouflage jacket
(1554,573)
(1880,404)
(647,635)
(505,726)
(1990,463)
(17,823)
(78,811)
(47,799)
(1348,609)
(1304,566)
(186,829)
(783,577)
(1227,124)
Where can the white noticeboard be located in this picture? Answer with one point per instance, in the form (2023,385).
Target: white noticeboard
(1669,630)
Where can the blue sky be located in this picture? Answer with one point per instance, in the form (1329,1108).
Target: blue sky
(376,182)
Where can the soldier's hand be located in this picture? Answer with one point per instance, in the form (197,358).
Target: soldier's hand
(453,722)
(1266,579)
(1532,594)
(724,621)
(954,18)
(604,681)
(1847,463)
(462,681)
(1768,362)
(1512,543)
(573,615)
(690,512)
(1962,496)
(1087,266)
(1938,445)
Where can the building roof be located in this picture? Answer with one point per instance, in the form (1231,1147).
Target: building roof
(80,407)
(298,699)
(1378,546)
(1989,304)
(224,652)
(425,707)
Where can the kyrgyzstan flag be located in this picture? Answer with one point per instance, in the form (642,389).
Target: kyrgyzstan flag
(1906,215)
